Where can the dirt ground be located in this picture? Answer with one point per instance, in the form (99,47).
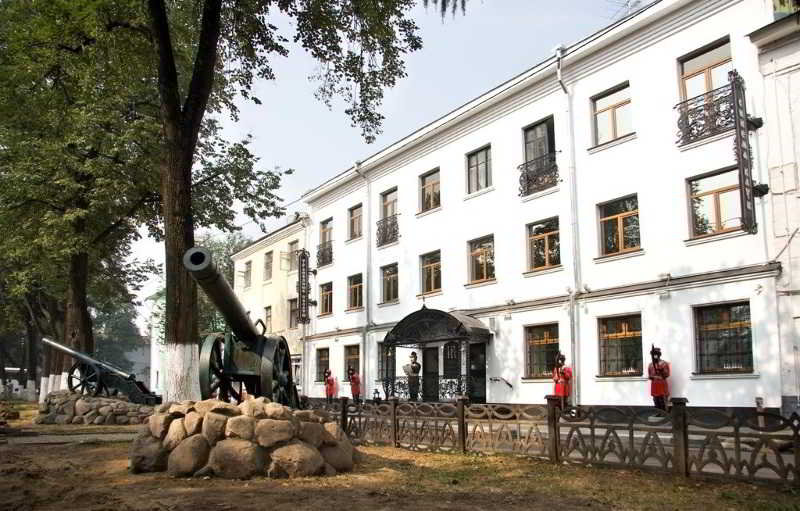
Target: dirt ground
(95,477)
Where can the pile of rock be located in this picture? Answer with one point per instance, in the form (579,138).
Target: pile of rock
(7,412)
(65,407)
(214,438)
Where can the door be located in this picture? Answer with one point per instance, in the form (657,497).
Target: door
(430,374)
(477,372)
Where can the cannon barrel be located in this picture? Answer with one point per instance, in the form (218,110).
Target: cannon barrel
(200,265)
(86,358)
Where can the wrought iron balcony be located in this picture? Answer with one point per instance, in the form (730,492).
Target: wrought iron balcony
(325,253)
(705,115)
(426,387)
(538,174)
(388,231)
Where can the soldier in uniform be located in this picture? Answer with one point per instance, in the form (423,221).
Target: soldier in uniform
(562,376)
(330,385)
(355,384)
(658,372)
(412,372)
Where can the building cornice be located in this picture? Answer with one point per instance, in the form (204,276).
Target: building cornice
(269,239)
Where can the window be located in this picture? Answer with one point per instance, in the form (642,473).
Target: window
(325,231)
(326,299)
(389,278)
(293,249)
(479,170)
(383,357)
(268,319)
(705,71)
(539,140)
(354,295)
(247,274)
(724,338)
(619,226)
(351,359)
(389,203)
(268,266)
(322,363)
(715,203)
(612,115)
(431,266)
(621,346)
(355,222)
(544,247)
(293,312)
(542,349)
(429,191)
(481,259)
(325,248)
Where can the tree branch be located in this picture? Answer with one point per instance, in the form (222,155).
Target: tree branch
(118,223)
(167,73)
(36,201)
(113,24)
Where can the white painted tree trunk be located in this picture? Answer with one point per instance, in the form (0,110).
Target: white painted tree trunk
(44,388)
(62,381)
(181,372)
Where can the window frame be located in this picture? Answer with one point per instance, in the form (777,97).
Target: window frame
(385,203)
(268,318)
(346,358)
(682,77)
(326,231)
(716,192)
(600,340)
(488,149)
(294,311)
(325,299)
(423,268)
(546,236)
(350,222)
(549,123)
(473,252)
(613,108)
(247,274)
(529,375)
(269,258)
(620,224)
(696,340)
(384,280)
(351,289)
(320,374)
(438,190)
(293,248)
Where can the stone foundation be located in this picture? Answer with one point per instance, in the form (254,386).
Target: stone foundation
(65,407)
(255,438)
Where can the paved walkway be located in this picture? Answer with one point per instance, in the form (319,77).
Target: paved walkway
(27,439)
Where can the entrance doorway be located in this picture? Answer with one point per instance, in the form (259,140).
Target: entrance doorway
(477,372)
(430,374)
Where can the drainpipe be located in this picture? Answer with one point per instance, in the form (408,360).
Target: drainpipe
(367,278)
(576,260)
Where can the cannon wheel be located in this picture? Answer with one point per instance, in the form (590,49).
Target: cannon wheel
(276,372)
(84,378)
(212,377)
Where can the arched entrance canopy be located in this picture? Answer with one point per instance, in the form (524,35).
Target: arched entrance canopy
(431,325)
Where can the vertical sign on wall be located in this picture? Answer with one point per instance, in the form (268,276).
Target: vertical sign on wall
(303,287)
(744,156)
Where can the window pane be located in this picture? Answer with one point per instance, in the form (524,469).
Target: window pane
(437,277)
(612,99)
(724,338)
(624,121)
(719,75)
(703,215)
(730,209)
(619,206)
(554,253)
(610,234)
(707,59)
(715,182)
(549,225)
(603,127)
(695,85)
(630,231)
(538,255)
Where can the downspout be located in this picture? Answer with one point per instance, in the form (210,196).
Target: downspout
(367,280)
(574,315)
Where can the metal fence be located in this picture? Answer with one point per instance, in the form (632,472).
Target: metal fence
(760,446)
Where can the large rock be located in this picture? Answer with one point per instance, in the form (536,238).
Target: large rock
(226,409)
(122,419)
(338,456)
(214,427)
(82,407)
(311,433)
(241,426)
(189,456)
(277,412)
(270,432)
(253,408)
(105,410)
(181,409)
(336,432)
(147,454)
(205,406)
(175,435)
(159,424)
(234,458)
(298,459)
(192,422)
(63,419)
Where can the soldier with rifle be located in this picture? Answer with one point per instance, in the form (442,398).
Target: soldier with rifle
(658,372)
(562,376)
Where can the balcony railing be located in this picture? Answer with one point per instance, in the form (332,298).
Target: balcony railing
(705,115)
(388,231)
(426,387)
(538,174)
(325,253)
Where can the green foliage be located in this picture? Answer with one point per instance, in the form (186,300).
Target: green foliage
(116,335)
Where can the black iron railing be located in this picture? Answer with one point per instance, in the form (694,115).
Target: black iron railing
(325,253)
(538,174)
(424,387)
(705,115)
(388,231)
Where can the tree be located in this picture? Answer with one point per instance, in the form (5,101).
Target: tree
(117,335)
(222,247)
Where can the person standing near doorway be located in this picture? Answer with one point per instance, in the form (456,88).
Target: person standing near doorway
(658,372)
(562,376)
(412,372)
(330,385)
(355,384)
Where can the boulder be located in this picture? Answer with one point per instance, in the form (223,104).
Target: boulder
(241,426)
(234,458)
(180,409)
(90,417)
(82,407)
(99,420)
(305,415)
(159,424)
(63,419)
(110,420)
(175,435)
(269,432)
(226,409)
(189,456)
(311,433)
(164,407)
(69,408)
(298,459)
(205,406)
(122,419)
(338,456)
(329,470)
(104,410)
(44,407)
(134,420)
(336,432)
(263,400)
(253,408)
(214,427)
(147,454)
(78,419)
(192,422)
(277,412)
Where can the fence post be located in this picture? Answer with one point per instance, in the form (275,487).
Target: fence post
(343,416)
(462,424)
(680,437)
(553,433)
(393,401)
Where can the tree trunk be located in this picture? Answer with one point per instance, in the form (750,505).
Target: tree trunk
(78,321)
(32,336)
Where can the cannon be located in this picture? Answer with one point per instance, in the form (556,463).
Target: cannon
(94,377)
(241,358)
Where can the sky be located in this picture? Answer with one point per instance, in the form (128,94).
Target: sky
(462,57)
